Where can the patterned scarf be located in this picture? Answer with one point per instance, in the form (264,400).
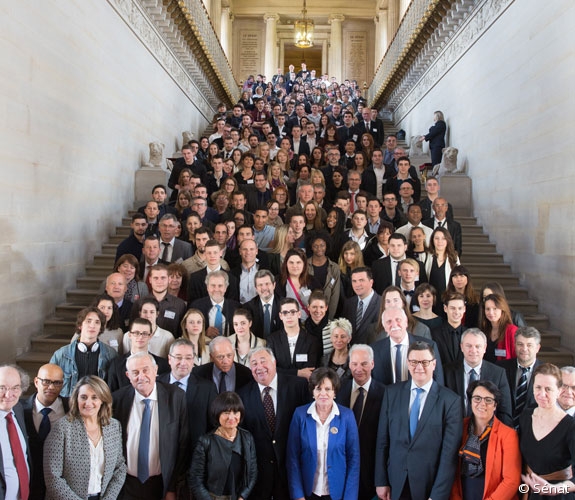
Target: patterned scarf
(470,453)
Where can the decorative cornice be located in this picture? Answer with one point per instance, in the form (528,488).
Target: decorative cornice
(475,26)
(336,18)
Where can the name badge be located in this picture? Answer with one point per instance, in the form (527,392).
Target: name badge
(354,137)
(169,314)
(114,344)
(301,358)
(374,130)
(501,353)
(250,181)
(332,282)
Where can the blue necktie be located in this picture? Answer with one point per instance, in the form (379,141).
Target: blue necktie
(45,426)
(398,370)
(219,318)
(144,444)
(414,413)
(267,320)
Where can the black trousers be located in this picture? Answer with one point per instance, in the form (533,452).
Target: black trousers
(152,489)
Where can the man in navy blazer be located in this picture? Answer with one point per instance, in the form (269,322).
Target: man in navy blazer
(16,381)
(440,207)
(265,283)
(48,382)
(287,393)
(527,345)
(419,434)
(362,284)
(172,442)
(459,375)
(199,392)
(361,365)
(385,271)
(387,370)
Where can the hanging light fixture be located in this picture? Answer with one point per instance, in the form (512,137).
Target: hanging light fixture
(304,30)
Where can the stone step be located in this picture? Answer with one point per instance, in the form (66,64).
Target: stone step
(48,345)
(551,338)
(98,271)
(109,248)
(89,283)
(468,221)
(480,278)
(471,229)
(80,296)
(32,361)
(122,231)
(116,239)
(63,327)
(479,247)
(557,356)
(539,321)
(126,221)
(474,268)
(481,257)
(474,238)
(525,306)
(67,311)
(105,260)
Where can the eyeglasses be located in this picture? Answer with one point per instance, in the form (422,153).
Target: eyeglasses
(291,312)
(568,387)
(181,358)
(488,401)
(16,389)
(47,382)
(425,363)
(141,334)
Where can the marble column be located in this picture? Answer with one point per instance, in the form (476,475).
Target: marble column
(270,60)
(380,35)
(392,19)
(336,46)
(226,32)
(324,56)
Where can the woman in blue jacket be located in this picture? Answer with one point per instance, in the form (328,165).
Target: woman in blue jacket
(323,450)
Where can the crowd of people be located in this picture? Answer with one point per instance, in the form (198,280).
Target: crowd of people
(293,322)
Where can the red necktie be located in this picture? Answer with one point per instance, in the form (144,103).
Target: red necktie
(352,204)
(19,459)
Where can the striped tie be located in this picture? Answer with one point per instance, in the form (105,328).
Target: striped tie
(359,314)
(520,396)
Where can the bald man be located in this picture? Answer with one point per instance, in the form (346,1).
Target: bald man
(46,400)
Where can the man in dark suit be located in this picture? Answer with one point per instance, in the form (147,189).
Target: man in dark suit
(363,395)
(519,370)
(266,303)
(270,428)
(362,284)
(390,353)
(216,308)
(157,411)
(159,195)
(41,410)
(173,249)
(198,281)
(140,333)
(349,132)
(222,371)
(386,270)
(419,433)
(459,375)
(15,459)
(366,126)
(448,335)
(440,207)
(305,357)
(199,392)
(299,144)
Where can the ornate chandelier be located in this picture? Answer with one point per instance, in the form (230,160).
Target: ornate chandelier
(304,30)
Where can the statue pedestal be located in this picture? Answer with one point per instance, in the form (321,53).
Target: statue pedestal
(146,178)
(456,189)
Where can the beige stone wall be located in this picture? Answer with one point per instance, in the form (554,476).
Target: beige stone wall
(510,109)
(81,98)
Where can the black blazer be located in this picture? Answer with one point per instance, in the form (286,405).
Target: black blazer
(205,304)
(197,286)
(174,442)
(243,374)
(307,345)
(117,377)
(454,379)
(367,432)
(271,447)
(257,310)
(382,371)
(510,367)
(359,335)
(454,229)
(36,447)
(199,396)
(382,277)
(449,343)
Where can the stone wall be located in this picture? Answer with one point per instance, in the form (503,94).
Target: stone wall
(81,97)
(509,104)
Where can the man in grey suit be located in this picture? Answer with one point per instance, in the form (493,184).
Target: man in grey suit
(460,374)
(14,451)
(172,249)
(154,430)
(419,434)
(363,308)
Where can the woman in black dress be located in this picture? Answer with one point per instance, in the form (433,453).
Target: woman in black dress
(547,439)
